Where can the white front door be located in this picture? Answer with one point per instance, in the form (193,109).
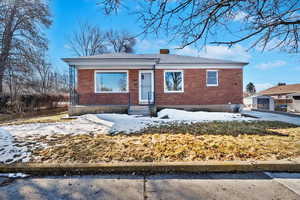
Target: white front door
(146,87)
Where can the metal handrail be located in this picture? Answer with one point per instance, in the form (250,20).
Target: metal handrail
(150,94)
(129,100)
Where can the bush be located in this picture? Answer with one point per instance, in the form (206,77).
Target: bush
(31,102)
(3,102)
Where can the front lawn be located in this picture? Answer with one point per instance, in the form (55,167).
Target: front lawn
(259,140)
(42,116)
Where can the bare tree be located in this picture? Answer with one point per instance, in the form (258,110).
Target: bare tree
(88,40)
(174,80)
(44,72)
(265,23)
(21,22)
(121,41)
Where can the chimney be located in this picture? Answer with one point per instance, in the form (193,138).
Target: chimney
(164,51)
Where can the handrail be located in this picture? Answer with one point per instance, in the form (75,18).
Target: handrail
(129,100)
(150,98)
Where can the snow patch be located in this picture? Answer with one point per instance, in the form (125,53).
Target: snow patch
(201,116)
(14,175)
(9,151)
(132,123)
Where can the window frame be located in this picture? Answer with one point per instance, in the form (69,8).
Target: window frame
(165,85)
(217,74)
(110,71)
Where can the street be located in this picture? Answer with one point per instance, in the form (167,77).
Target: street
(164,186)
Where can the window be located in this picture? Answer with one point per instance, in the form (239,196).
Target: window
(212,78)
(111,81)
(296,97)
(173,81)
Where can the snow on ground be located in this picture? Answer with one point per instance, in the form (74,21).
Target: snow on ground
(84,124)
(130,123)
(14,175)
(11,150)
(201,116)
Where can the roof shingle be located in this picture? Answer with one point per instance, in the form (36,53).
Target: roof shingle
(163,58)
(282,89)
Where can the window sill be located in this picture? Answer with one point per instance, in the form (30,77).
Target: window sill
(173,92)
(111,92)
(212,85)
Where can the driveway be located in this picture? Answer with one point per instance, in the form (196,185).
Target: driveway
(274,117)
(177,186)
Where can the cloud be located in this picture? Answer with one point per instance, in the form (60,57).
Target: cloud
(237,52)
(271,65)
(150,46)
(262,86)
(240,16)
(187,51)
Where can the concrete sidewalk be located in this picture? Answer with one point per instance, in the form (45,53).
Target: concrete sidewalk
(232,186)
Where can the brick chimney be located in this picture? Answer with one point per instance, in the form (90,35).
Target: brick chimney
(164,51)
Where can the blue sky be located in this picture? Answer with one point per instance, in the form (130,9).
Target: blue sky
(265,68)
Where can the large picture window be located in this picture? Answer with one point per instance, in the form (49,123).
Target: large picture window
(212,78)
(173,81)
(111,81)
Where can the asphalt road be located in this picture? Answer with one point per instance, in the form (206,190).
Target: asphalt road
(174,186)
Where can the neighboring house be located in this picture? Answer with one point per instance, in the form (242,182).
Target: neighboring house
(248,100)
(286,97)
(294,106)
(119,81)
(263,103)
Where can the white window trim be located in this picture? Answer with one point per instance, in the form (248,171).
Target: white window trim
(212,85)
(110,71)
(165,86)
(140,88)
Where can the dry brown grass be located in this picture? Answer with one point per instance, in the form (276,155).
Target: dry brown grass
(44,116)
(198,142)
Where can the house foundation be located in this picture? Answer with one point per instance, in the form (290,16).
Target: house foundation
(97,109)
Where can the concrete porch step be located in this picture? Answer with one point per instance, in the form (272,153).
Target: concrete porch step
(139,110)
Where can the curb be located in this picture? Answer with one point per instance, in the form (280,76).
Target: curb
(159,167)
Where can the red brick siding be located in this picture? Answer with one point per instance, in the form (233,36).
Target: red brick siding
(195,90)
(87,93)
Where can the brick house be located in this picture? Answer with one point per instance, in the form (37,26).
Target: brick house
(133,83)
(286,97)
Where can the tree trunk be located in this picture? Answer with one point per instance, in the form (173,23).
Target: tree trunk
(1,81)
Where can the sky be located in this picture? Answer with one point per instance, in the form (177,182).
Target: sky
(265,69)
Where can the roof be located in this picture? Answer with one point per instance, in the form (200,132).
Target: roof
(294,94)
(282,89)
(158,58)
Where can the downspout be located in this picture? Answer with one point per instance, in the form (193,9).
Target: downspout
(72,86)
(154,86)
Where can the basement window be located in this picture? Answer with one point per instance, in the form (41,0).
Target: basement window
(212,78)
(111,81)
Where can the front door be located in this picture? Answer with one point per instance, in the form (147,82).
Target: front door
(146,89)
